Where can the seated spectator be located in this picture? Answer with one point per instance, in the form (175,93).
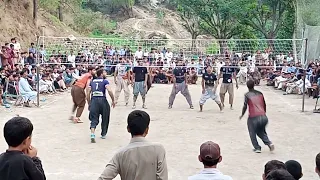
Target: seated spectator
(20,161)
(26,90)
(279,174)
(210,156)
(68,78)
(317,169)
(281,80)
(169,75)
(300,85)
(45,85)
(161,77)
(59,82)
(192,76)
(272,165)
(140,159)
(294,168)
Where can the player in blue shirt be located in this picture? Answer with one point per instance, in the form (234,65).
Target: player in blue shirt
(99,104)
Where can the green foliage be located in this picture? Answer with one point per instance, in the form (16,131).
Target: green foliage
(213,48)
(160,15)
(87,22)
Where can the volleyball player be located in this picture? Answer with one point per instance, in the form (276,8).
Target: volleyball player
(99,104)
(79,94)
(209,88)
(227,73)
(180,85)
(257,120)
(122,80)
(139,79)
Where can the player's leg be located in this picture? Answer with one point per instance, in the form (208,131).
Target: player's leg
(253,134)
(118,89)
(216,98)
(74,107)
(185,92)
(261,132)
(143,93)
(105,118)
(126,91)
(230,90)
(135,94)
(175,90)
(204,97)
(80,101)
(94,114)
(223,90)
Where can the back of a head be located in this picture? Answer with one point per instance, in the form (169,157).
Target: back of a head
(294,168)
(138,122)
(273,165)
(16,130)
(250,84)
(279,174)
(318,162)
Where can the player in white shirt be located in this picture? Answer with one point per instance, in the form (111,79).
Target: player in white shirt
(122,81)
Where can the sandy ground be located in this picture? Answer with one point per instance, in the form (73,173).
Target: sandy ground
(67,153)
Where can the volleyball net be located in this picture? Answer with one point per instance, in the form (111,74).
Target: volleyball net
(261,51)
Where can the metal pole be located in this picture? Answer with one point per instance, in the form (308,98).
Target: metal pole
(37,71)
(304,74)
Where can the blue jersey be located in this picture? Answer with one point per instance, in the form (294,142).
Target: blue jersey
(179,74)
(98,87)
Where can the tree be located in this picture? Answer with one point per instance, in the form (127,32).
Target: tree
(191,22)
(266,16)
(217,18)
(35,11)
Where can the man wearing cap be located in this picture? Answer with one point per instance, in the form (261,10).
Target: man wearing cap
(210,156)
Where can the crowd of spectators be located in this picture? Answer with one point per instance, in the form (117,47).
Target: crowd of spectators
(60,69)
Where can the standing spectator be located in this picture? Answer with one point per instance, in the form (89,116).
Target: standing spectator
(71,59)
(318,164)
(140,160)
(138,54)
(32,49)
(210,156)
(20,161)
(294,168)
(168,55)
(16,44)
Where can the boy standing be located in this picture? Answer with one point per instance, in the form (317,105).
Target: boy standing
(20,161)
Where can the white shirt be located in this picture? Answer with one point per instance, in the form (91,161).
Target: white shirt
(209,174)
(138,54)
(169,56)
(122,70)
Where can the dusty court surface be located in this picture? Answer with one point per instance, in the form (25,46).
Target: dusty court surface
(67,153)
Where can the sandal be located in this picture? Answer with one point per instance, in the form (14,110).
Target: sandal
(77,120)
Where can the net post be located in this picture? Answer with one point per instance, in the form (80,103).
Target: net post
(304,73)
(37,69)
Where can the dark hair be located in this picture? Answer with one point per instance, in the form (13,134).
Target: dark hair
(210,163)
(138,122)
(250,84)
(294,168)
(279,174)
(22,72)
(16,130)
(318,161)
(90,68)
(273,165)
(99,72)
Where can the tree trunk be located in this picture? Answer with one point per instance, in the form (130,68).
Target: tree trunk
(60,14)
(223,47)
(193,42)
(35,12)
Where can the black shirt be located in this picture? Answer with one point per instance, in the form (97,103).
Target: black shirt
(209,79)
(140,73)
(14,165)
(179,74)
(227,73)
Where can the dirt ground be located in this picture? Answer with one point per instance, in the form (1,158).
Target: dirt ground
(67,153)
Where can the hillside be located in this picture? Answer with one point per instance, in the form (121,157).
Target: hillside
(16,21)
(147,22)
